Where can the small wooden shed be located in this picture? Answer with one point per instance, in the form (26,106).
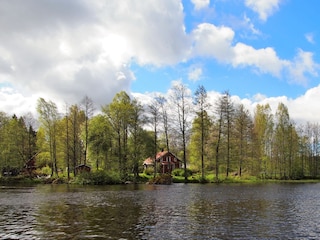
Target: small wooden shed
(82,168)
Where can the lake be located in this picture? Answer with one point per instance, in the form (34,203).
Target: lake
(177,211)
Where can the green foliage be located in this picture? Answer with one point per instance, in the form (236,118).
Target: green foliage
(265,146)
(148,171)
(97,178)
(45,171)
(179,172)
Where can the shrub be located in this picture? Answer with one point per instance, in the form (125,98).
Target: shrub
(148,171)
(179,172)
(45,171)
(97,178)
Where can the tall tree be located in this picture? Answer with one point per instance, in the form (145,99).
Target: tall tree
(242,127)
(224,110)
(119,113)
(219,109)
(88,108)
(228,112)
(165,119)
(4,119)
(182,101)
(76,119)
(136,124)
(48,117)
(154,110)
(100,141)
(17,144)
(263,133)
(202,105)
(67,139)
(195,156)
(282,140)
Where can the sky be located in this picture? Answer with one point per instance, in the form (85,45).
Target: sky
(261,51)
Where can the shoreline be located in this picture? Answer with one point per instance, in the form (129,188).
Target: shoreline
(61,180)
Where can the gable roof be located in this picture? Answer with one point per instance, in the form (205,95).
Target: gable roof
(150,160)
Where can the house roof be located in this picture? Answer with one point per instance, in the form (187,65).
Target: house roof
(83,166)
(150,160)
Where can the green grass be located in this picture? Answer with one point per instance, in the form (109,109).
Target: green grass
(102,178)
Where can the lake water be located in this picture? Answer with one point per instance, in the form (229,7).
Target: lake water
(177,211)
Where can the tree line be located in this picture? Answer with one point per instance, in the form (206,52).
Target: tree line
(222,138)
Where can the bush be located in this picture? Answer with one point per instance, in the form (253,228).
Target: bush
(179,172)
(149,171)
(45,171)
(97,178)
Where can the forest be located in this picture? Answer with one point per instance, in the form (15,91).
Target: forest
(214,141)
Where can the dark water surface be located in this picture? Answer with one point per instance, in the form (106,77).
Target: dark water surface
(178,211)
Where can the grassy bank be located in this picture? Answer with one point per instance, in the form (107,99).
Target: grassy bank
(103,178)
(235,179)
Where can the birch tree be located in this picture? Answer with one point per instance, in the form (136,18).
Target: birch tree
(88,108)
(48,117)
(182,102)
(118,113)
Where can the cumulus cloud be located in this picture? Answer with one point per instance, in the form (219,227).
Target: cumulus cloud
(264,8)
(14,102)
(303,65)
(68,49)
(302,109)
(213,41)
(218,43)
(64,50)
(199,4)
(195,74)
(265,60)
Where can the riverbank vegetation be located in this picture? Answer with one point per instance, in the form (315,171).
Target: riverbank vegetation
(219,142)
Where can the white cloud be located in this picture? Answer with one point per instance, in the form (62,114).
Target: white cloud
(68,49)
(213,41)
(302,109)
(248,23)
(264,8)
(265,60)
(303,64)
(310,37)
(199,4)
(195,74)
(217,42)
(306,107)
(12,102)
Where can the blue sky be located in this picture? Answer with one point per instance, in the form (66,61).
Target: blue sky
(291,27)
(262,51)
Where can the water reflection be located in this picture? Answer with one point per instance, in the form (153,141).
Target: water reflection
(178,211)
(91,214)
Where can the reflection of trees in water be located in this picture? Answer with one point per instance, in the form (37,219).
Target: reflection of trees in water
(243,213)
(108,218)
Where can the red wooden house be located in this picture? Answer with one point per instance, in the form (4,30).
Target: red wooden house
(165,162)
